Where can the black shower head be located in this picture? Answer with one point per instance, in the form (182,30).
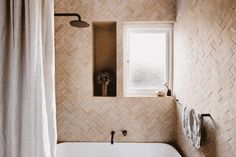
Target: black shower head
(79,23)
(76,23)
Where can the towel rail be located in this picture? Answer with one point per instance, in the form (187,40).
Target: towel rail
(202,115)
(206,115)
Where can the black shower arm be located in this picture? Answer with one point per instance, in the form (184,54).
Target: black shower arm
(68,14)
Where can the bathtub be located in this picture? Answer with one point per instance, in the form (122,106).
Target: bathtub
(86,149)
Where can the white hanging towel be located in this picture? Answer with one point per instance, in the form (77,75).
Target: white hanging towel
(191,121)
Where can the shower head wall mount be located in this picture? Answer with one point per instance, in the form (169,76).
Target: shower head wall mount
(76,23)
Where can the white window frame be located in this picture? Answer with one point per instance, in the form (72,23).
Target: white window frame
(140,27)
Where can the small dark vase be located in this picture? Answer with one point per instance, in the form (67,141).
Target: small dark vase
(168,92)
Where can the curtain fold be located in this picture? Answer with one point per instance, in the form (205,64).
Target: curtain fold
(27,85)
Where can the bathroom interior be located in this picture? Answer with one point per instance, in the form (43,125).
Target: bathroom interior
(54,99)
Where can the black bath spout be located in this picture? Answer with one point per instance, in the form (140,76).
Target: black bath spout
(112,136)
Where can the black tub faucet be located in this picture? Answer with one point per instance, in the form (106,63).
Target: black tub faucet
(112,136)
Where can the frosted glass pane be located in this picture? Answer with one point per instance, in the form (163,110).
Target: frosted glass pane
(147,60)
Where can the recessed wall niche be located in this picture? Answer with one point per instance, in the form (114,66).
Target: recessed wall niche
(104,58)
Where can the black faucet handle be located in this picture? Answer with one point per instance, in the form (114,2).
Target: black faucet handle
(124,132)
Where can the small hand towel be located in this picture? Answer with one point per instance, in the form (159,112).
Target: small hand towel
(191,121)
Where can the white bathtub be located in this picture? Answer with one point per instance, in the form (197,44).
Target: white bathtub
(82,149)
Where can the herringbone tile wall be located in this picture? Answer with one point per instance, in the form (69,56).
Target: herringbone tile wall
(82,117)
(205,72)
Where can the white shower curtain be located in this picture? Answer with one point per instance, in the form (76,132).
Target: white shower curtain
(27,88)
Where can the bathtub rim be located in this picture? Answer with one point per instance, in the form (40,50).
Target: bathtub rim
(119,142)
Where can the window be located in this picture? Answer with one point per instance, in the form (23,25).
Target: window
(147,58)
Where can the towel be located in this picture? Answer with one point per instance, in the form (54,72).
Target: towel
(191,121)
